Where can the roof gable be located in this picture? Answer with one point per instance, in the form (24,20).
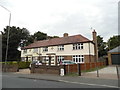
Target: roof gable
(117,49)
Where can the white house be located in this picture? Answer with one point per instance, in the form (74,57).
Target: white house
(76,48)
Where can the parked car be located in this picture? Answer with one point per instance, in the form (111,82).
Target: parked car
(67,62)
(36,62)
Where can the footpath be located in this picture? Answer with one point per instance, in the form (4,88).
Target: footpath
(107,77)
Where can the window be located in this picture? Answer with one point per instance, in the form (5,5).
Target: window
(45,49)
(60,47)
(78,46)
(60,58)
(45,59)
(35,50)
(25,51)
(78,58)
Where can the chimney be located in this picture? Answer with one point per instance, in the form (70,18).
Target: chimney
(65,35)
(95,46)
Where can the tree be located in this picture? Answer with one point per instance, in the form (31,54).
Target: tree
(16,38)
(101,46)
(40,36)
(113,42)
(51,37)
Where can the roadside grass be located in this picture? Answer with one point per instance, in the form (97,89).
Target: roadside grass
(83,71)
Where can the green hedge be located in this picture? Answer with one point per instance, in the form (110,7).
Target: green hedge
(23,65)
(10,62)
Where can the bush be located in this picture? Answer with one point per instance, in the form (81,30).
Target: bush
(23,65)
(9,62)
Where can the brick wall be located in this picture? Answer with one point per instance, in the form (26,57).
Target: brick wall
(68,57)
(89,58)
(9,68)
(46,69)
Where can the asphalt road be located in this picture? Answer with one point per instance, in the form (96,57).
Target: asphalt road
(9,81)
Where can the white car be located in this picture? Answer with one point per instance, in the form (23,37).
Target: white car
(36,62)
(67,62)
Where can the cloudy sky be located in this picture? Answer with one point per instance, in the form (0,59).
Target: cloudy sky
(56,17)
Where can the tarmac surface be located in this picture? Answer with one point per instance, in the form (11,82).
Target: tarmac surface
(107,77)
(109,72)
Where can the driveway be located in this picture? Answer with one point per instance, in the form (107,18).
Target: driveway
(109,72)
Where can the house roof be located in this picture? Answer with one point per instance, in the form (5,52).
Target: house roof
(58,41)
(117,49)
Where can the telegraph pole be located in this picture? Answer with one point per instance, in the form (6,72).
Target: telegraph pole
(6,55)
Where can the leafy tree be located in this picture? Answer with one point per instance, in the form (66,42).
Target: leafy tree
(101,46)
(51,37)
(39,36)
(113,42)
(16,38)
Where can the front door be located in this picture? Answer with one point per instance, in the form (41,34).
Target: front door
(49,60)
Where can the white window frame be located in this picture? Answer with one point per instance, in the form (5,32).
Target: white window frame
(45,49)
(78,46)
(60,58)
(46,58)
(61,48)
(78,58)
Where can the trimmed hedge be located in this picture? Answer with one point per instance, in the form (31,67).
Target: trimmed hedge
(23,65)
(10,62)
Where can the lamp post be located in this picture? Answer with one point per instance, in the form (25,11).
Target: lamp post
(6,55)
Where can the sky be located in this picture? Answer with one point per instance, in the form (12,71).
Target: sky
(56,17)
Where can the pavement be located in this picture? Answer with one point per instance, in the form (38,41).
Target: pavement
(108,72)
(107,77)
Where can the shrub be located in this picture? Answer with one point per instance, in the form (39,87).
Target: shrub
(23,65)
(10,62)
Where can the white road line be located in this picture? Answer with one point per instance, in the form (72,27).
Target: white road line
(90,84)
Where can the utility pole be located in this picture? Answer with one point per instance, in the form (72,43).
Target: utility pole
(6,55)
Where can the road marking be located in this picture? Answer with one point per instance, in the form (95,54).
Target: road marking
(90,84)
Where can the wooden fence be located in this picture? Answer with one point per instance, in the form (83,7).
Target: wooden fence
(73,68)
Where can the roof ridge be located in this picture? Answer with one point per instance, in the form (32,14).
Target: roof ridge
(58,41)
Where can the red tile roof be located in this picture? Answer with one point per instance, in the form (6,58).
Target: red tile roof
(58,41)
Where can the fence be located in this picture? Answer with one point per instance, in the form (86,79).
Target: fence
(74,68)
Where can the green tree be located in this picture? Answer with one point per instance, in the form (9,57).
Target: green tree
(39,36)
(101,46)
(16,38)
(113,42)
(51,37)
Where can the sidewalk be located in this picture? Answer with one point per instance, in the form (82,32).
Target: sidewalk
(105,73)
(107,77)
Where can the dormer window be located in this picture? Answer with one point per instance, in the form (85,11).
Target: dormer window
(78,46)
(60,47)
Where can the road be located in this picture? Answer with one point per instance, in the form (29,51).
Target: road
(13,81)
